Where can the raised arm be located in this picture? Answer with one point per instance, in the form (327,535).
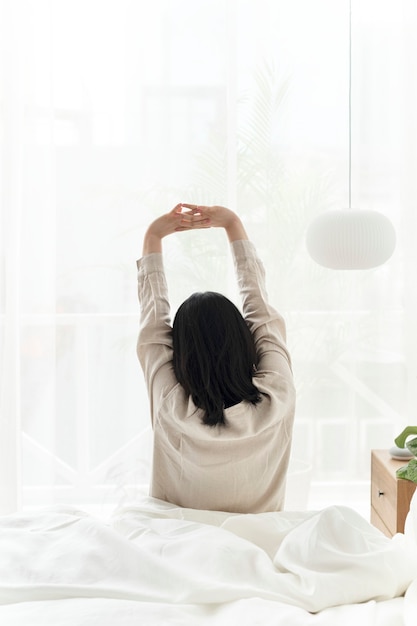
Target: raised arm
(154,346)
(266,324)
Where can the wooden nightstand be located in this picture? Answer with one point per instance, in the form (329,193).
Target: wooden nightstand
(390,496)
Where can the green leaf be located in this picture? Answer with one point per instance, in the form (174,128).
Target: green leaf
(408,472)
(412,446)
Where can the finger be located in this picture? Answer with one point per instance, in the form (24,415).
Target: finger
(194,221)
(194,208)
(189,221)
(193,215)
(186,218)
(189,206)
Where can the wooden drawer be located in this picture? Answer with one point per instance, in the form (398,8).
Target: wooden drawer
(390,496)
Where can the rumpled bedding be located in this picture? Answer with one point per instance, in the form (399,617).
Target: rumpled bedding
(155,563)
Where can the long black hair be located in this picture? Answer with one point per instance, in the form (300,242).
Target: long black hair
(214,354)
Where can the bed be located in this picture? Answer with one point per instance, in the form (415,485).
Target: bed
(153,563)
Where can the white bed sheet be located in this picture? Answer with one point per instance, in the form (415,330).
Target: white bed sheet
(154,563)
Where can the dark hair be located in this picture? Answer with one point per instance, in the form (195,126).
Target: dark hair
(214,354)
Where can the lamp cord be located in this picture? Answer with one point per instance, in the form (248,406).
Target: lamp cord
(350,104)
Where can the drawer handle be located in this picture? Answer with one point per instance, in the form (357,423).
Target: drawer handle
(380,493)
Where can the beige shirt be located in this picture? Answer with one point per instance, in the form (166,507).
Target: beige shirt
(240,467)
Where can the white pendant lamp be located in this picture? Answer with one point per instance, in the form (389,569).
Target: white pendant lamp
(350,239)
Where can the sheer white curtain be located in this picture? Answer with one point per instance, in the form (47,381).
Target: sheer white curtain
(112,112)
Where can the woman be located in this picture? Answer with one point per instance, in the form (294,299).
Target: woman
(222,399)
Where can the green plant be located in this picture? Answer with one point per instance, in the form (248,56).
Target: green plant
(409,471)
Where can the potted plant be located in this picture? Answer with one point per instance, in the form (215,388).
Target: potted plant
(409,471)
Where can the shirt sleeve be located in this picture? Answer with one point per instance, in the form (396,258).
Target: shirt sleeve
(266,324)
(154,346)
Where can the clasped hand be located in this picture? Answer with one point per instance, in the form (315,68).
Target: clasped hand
(191,217)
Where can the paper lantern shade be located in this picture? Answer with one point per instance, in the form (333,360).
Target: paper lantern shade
(349,239)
